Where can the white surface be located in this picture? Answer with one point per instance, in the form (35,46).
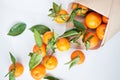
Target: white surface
(101,64)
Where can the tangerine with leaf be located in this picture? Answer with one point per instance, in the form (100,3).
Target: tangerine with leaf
(90,40)
(16,69)
(77,57)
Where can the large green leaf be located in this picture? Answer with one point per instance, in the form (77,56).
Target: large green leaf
(79,25)
(17,29)
(40,28)
(35,60)
(12,58)
(38,38)
(51,78)
(11,75)
(70,32)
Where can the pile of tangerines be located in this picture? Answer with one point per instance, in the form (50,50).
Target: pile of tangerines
(90,31)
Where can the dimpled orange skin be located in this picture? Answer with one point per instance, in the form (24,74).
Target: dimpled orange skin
(39,50)
(59,19)
(18,69)
(94,41)
(50,62)
(63,44)
(100,31)
(38,72)
(93,20)
(78,53)
(105,19)
(47,36)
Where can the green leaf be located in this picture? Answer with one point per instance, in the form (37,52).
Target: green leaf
(70,32)
(89,38)
(74,40)
(40,28)
(73,14)
(73,62)
(56,7)
(17,29)
(87,45)
(52,42)
(52,15)
(51,78)
(11,75)
(12,58)
(38,38)
(79,25)
(35,60)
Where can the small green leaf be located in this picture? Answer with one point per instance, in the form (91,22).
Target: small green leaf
(89,38)
(12,58)
(87,45)
(73,62)
(35,60)
(73,14)
(40,28)
(17,29)
(79,25)
(11,75)
(70,32)
(52,15)
(56,7)
(51,78)
(38,38)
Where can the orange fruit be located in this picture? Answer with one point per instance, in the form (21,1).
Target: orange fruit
(78,53)
(39,50)
(93,41)
(93,20)
(100,31)
(83,10)
(50,62)
(62,16)
(18,69)
(75,5)
(63,44)
(105,19)
(47,36)
(38,72)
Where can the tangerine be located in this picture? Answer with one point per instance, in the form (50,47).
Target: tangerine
(63,44)
(50,62)
(100,31)
(78,53)
(38,72)
(105,19)
(47,36)
(39,50)
(62,16)
(18,69)
(93,41)
(93,20)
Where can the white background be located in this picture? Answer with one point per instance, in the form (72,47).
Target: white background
(100,64)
